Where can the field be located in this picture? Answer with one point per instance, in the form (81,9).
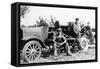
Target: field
(88,55)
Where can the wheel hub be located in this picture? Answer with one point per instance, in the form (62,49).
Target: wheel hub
(84,43)
(33,51)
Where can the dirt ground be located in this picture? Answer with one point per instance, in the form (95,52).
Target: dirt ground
(90,54)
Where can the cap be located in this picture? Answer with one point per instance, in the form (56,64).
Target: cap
(77,18)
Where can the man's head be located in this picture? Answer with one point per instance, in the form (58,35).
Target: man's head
(88,23)
(59,32)
(76,20)
(57,25)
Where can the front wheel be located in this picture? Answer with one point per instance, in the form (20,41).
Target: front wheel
(32,51)
(84,44)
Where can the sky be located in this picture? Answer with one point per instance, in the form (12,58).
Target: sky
(64,15)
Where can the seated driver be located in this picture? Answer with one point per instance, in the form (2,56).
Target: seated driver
(77,27)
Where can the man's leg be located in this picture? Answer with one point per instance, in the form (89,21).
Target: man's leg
(68,52)
(55,50)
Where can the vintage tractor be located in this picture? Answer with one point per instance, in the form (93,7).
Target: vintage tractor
(76,41)
(39,41)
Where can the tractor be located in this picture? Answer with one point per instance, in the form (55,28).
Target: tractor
(39,41)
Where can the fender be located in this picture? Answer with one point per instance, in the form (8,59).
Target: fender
(41,42)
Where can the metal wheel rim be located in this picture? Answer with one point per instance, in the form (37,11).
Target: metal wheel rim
(83,44)
(32,51)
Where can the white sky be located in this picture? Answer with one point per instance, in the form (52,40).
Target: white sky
(64,15)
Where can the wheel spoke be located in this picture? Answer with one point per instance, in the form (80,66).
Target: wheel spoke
(30,58)
(28,54)
(28,49)
(33,56)
(37,49)
(31,46)
(36,53)
(36,46)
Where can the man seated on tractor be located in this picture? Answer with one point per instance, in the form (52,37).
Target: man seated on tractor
(77,31)
(77,27)
(73,28)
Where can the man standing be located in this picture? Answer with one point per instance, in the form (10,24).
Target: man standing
(89,33)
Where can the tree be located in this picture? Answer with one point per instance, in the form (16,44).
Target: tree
(24,10)
(41,22)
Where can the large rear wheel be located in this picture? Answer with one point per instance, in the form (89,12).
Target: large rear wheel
(32,51)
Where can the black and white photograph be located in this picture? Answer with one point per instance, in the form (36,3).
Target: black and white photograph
(49,34)
(52,34)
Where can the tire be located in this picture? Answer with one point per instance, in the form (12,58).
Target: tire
(32,51)
(84,43)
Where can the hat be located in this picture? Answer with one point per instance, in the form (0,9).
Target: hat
(77,18)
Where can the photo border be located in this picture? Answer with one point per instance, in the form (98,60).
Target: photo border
(57,6)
